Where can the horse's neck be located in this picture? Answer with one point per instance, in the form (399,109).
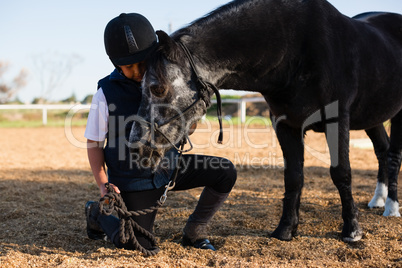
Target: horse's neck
(231,53)
(224,47)
(209,66)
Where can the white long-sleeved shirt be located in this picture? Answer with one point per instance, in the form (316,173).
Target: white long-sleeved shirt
(98,118)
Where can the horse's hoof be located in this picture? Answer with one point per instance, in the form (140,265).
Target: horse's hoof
(377,202)
(351,231)
(354,237)
(391,208)
(380,194)
(284,233)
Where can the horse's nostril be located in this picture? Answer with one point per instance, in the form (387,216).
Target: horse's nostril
(134,146)
(134,151)
(147,162)
(156,154)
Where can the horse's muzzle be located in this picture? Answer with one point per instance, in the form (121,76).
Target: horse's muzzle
(147,156)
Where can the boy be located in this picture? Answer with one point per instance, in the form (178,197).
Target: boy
(129,40)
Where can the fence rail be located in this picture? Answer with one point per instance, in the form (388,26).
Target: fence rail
(45,108)
(72,107)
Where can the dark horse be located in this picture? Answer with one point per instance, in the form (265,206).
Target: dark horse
(316,68)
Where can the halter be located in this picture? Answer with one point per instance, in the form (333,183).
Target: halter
(204,95)
(202,87)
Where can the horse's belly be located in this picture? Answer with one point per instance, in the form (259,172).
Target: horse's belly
(374,113)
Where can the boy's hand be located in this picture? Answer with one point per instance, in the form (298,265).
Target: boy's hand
(104,191)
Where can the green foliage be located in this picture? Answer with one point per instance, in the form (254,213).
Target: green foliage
(71,99)
(230,97)
(39,100)
(250,120)
(88,99)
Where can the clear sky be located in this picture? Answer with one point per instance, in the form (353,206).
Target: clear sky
(35,29)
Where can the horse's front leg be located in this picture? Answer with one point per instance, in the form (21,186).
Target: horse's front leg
(291,141)
(338,143)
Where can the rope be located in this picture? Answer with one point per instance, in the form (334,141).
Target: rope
(113,201)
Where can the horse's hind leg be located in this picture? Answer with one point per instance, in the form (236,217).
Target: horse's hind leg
(380,140)
(394,165)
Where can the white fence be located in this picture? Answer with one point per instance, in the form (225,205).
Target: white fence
(74,107)
(45,108)
(242,105)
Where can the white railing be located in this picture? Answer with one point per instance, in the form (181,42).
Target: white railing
(45,108)
(73,107)
(242,104)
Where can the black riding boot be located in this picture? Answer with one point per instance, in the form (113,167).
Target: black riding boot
(94,230)
(103,227)
(99,226)
(195,231)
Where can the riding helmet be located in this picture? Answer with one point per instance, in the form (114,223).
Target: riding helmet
(129,38)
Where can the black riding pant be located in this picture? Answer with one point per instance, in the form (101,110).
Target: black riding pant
(195,171)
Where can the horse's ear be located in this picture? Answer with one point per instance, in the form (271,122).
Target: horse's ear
(168,46)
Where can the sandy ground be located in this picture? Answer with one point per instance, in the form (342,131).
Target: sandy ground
(45,181)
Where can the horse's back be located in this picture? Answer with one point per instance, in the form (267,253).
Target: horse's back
(390,23)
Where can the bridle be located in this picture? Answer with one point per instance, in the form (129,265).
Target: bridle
(203,95)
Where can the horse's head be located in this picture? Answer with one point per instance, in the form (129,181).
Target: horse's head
(170,102)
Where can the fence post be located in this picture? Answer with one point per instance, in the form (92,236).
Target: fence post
(243,111)
(44,116)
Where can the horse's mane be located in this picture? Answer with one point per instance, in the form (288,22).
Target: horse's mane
(209,18)
(156,61)
(167,49)
(229,7)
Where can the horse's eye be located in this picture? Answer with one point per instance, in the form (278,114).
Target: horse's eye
(157,90)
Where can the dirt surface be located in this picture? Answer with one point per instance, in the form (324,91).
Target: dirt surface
(45,182)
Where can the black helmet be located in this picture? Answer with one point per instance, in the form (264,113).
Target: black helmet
(129,38)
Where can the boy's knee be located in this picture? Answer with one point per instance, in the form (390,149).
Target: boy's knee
(228,175)
(232,173)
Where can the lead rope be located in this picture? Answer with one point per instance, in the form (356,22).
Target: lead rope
(113,201)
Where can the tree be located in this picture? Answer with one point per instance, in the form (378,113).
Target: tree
(8,90)
(71,99)
(53,69)
(88,99)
